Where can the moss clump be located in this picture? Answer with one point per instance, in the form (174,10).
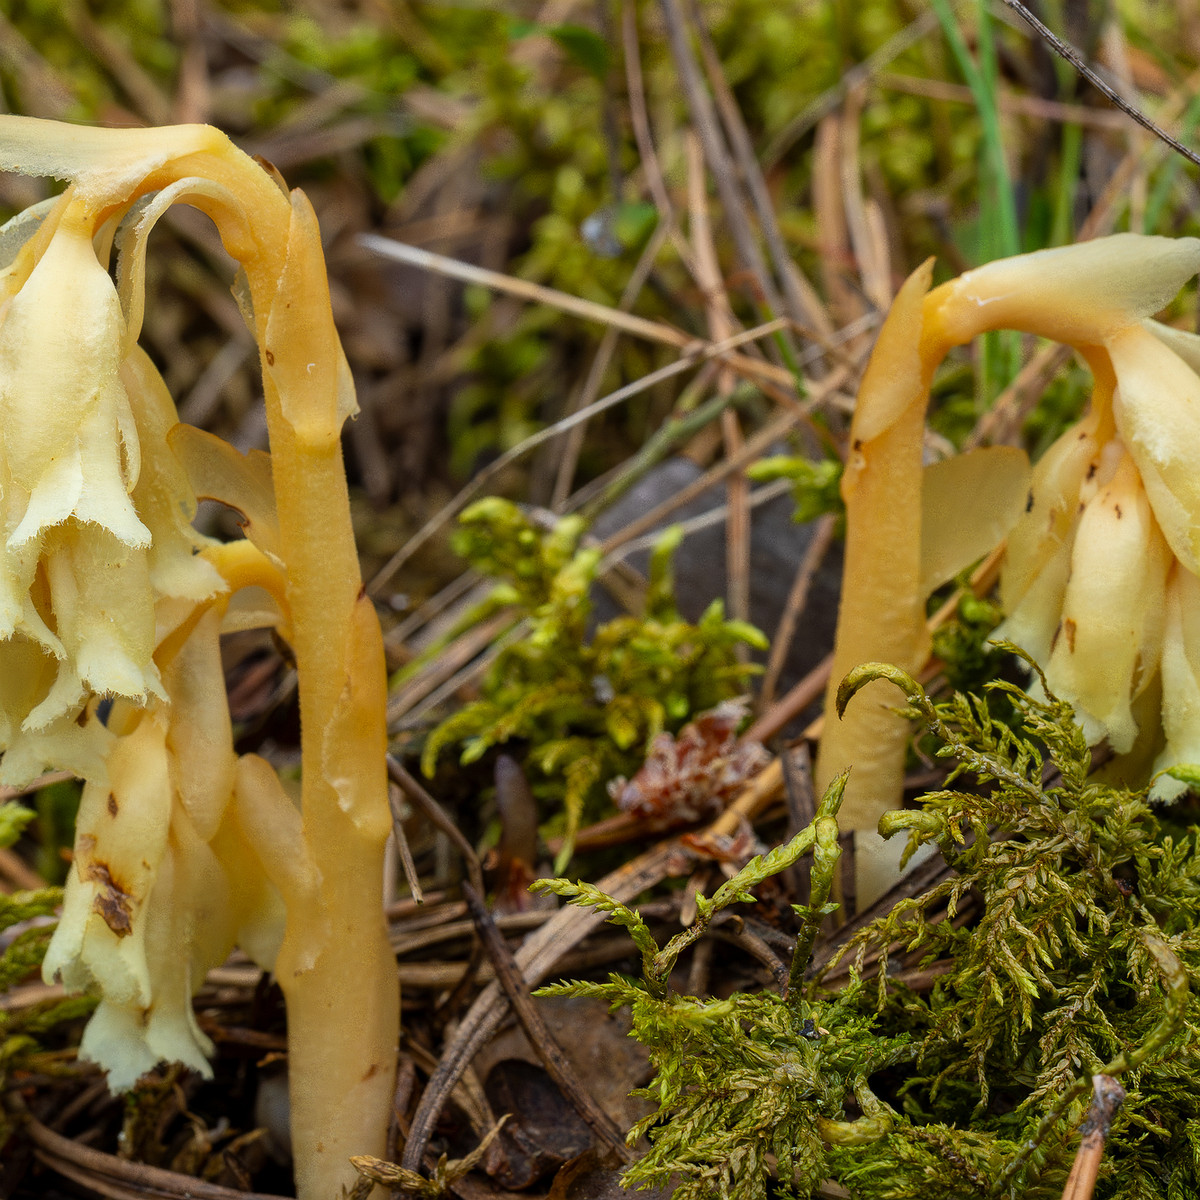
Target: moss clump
(587,706)
(1061,943)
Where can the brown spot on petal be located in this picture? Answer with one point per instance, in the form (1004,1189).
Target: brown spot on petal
(1091,471)
(1068,627)
(372,1070)
(1117,510)
(111,805)
(270,358)
(112,903)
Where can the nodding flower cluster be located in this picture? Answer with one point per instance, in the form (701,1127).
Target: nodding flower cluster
(1100,579)
(111,610)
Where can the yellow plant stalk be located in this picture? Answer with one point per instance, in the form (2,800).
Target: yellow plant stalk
(881,617)
(334,965)
(1109,539)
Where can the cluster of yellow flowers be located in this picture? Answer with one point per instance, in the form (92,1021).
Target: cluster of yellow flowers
(106,591)
(1101,576)
(111,610)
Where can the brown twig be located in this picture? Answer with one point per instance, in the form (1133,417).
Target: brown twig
(434,811)
(756,446)
(1037,107)
(1107,1097)
(1068,52)
(1006,416)
(403,848)
(801,801)
(793,609)
(639,120)
(700,108)
(120,1179)
(721,324)
(567,453)
(537,1031)
(801,298)
(694,354)
(536,958)
(16,871)
(1104,213)
(734,931)
(792,703)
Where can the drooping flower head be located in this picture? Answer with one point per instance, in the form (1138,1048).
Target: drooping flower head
(1101,578)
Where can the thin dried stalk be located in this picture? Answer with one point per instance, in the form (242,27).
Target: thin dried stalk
(1107,1097)
(119,1178)
(696,353)
(1068,52)
(793,609)
(540,1038)
(536,958)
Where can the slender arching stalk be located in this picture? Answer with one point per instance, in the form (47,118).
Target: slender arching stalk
(335,967)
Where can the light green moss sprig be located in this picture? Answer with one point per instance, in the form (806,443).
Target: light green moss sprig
(753,1080)
(816,485)
(587,705)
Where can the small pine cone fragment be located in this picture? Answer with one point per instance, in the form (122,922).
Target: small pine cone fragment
(692,777)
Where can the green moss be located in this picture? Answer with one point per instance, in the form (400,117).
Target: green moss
(23,1029)
(1079,955)
(585,706)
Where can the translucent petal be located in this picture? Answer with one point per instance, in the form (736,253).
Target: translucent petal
(1157,410)
(968,505)
(218,471)
(104,610)
(1078,294)
(108,163)
(134,233)
(1180,680)
(163,496)
(1111,610)
(121,837)
(62,406)
(1033,622)
(1053,508)
(200,736)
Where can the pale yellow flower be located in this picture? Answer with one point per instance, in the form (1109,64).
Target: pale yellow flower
(1100,576)
(163,882)
(183,848)
(94,509)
